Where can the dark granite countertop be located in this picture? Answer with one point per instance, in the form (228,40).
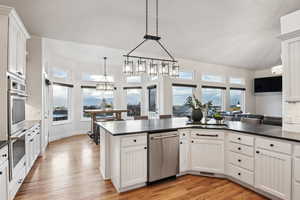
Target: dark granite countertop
(3,143)
(118,128)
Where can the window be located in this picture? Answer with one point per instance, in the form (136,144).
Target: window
(61,103)
(95,78)
(213,78)
(186,75)
(239,81)
(216,96)
(134,96)
(152,98)
(133,79)
(58,73)
(94,99)
(237,97)
(180,94)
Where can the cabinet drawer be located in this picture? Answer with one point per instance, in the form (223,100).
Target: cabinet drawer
(17,182)
(241,139)
(207,134)
(240,148)
(3,154)
(274,145)
(241,161)
(133,140)
(241,174)
(184,133)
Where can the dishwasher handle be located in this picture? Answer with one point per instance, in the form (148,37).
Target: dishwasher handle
(207,135)
(163,137)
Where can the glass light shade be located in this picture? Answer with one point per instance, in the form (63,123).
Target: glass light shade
(175,71)
(165,69)
(128,67)
(153,69)
(141,67)
(105,86)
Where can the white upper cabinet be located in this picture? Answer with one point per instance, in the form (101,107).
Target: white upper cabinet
(17,37)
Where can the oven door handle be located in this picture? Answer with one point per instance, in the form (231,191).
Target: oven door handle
(18,94)
(18,136)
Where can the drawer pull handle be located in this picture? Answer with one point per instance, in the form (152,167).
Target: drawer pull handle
(4,155)
(207,135)
(239,148)
(257,152)
(134,140)
(272,145)
(239,174)
(239,160)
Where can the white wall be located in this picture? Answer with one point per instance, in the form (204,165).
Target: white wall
(268,103)
(81,58)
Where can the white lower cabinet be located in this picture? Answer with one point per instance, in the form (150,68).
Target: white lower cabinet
(273,173)
(4,180)
(133,165)
(207,155)
(184,156)
(33,146)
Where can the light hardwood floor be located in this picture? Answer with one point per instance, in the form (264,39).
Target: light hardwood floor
(69,171)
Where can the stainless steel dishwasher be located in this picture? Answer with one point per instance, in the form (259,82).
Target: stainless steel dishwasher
(163,155)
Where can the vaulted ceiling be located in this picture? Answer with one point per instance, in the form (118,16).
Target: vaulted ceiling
(241,33)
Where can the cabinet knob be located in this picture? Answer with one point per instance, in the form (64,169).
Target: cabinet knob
(257,152)
(239,160)
(239,148)
(1,173)
(183,134)
(180,142)
(239,138)
(145,147)
(4,155)
(239,174)
(134,140)
(192,141)
(272,145)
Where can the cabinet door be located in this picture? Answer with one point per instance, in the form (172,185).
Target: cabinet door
(37,143)
(4,181)
(133,165)
(273,173)
(207,156)
(184,156)
(21,54)
(12,46)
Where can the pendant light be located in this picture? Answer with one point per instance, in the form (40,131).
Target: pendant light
(105,84)
(165,67)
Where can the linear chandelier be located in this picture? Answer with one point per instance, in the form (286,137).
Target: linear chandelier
(105,84)
(154,66)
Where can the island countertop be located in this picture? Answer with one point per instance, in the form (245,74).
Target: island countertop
(118,128)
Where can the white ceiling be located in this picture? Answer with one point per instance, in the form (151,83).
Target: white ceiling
(241,33)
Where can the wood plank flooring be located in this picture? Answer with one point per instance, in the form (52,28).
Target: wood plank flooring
(69,171)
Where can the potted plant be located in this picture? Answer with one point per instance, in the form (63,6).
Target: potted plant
(218,117)
(197,108)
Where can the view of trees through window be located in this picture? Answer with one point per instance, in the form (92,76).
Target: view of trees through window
(95,99)
(180,95)
(60,103)
(134,102)
(215,95)
(236,100)
(152,99)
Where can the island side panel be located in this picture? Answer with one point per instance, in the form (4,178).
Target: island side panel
(104,153)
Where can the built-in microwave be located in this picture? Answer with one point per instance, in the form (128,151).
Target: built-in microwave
(17,99)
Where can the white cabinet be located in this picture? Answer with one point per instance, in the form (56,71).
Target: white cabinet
(128,161)
(296,173)
(4,181)
(273,173)
(33,146)
(16,45)
(133,165)
(207,155)
(184,156)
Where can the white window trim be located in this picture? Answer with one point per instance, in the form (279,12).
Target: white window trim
(213,82)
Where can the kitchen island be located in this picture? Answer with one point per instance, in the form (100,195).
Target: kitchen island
(251,155)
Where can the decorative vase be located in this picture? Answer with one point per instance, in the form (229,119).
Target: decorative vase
(197,115)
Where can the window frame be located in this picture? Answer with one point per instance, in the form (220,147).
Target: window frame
(243,99)
(223,94)
(69,101)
